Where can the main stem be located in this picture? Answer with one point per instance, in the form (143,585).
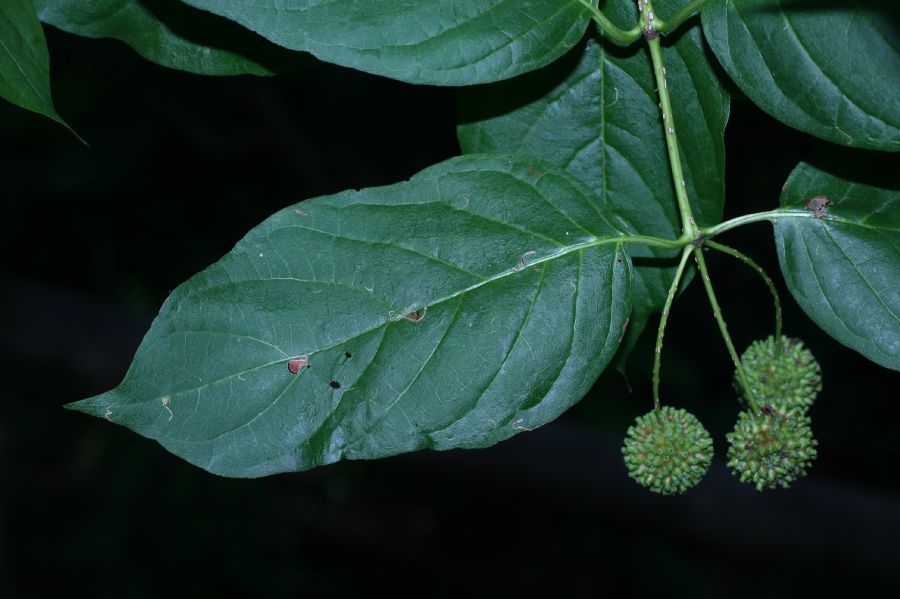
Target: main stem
(651,27)
(648,21)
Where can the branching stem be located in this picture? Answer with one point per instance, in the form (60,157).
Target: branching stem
(762,273)
(680,17)
(756,217)
(723,328)
(618,36)
(673,289)
(659,242)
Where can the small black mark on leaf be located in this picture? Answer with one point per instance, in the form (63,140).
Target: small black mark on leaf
(335,385)
(348,354)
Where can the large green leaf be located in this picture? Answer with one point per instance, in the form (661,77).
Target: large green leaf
(596,113)
(480,299)
(24,62)
(826,67)
(841,260)
(443,42)
(169,33)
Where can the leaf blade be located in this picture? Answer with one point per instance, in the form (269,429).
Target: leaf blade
(174,35)
(843,268)
(24,60)
(456,43)
(505,339)
(783,56)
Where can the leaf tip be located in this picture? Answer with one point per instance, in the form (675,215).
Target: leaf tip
(99,406)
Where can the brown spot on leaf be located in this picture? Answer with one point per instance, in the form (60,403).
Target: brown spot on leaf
(295,365)
(818,204)
(415,315)
(522,260)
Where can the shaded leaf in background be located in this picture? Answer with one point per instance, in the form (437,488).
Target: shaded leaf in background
(826,67)
(441,43)
(844,268)
(596,114)
(24,62)
(480,299)
(174,35)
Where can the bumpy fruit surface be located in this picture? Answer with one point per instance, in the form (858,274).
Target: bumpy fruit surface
(771,448)
(781,375)
(667,450)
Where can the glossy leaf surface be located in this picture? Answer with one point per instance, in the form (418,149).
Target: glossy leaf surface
(441,42)
(24,62)
(171,34)
(843,267)
(826,67)
(596,114)
(480,299)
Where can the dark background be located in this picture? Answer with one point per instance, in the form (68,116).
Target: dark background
(179,168)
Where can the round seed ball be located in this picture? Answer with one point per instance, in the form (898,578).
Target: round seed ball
(667,450)
(771,448)
(781,375)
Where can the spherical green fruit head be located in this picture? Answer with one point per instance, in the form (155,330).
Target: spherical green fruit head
(771,448)
(781,374)
(667,450)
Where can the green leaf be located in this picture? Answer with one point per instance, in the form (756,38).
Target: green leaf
(441,43)
(24,62)
(520,288)
(171,34)
(842,262)
(595,113)
(828,68)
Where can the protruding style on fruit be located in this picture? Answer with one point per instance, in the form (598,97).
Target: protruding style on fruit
(771,447)
(667,450)
(781,375)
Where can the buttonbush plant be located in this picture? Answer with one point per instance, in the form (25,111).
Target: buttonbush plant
(484,296)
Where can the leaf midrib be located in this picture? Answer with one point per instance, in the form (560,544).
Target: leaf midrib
(831,218)
(399,316)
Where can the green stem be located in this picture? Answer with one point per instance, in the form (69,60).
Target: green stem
(659,242)
(648,21)
(673,289)
(717,312)
(680,17)
(620,37)
(756,217)
(765,277)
